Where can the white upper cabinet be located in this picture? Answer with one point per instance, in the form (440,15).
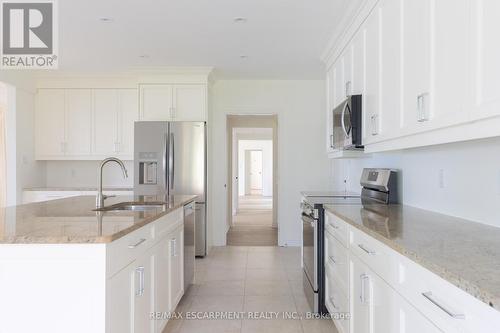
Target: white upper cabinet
(485,57)
(371,97)
(416,70)
(387,124)
(156,102)
(75,124)
(179,102)
(189,102)
(115,111)
(358,64)
(329,108)
(347,63)
(105,121)
(128,114)
(338,79)
(78,122)
(49,123)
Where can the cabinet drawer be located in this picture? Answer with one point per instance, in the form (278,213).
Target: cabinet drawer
(338,228)
(125,250)
(337,303)
(376,255)
(448,307)
(337,262)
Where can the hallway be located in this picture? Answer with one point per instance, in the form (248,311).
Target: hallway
(253,223)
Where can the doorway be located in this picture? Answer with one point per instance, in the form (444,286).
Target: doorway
(252,194)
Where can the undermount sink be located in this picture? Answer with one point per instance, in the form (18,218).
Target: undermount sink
(133,206)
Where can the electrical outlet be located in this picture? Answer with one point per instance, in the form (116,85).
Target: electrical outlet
(441,183)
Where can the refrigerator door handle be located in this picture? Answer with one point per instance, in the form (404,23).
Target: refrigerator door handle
(165,154)
(172,160)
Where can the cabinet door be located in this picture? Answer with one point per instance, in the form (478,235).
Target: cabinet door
(105,121)
(176,267)
(49,123)
(190,102)
(371,99)
(449,65)
(385,304)
(361,293)
(162,279)
(412,321)
(390,68)
(338,78)
(358,67)
(128,114)
(78,118)
(120,300)
(143,288)
(484,55)
(156,102)
(416,65)
(347,63)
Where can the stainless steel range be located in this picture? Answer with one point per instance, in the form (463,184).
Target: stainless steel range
(378,186)
(313,218)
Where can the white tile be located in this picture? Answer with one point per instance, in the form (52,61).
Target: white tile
(210,326)
(271,326)
(236,287)
(270,274)
(225,274)
(319,326)
(209,303)
(267,287)
(269,303)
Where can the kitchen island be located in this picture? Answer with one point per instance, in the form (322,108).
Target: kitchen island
(65,267)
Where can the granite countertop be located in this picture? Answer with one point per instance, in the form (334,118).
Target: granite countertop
(465,253)
(73,220)
(76,188)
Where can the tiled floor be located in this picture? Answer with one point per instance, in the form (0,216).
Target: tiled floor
(248,280)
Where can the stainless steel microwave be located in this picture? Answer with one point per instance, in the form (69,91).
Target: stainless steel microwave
(347,124)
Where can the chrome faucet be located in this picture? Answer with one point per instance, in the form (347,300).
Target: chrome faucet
(99,203)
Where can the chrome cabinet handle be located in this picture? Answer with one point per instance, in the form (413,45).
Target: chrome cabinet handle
(332,259)
(374,119)
(370,252)
(140,272)
(422,112)
(444,308)
(332,145)
(166,153)
(133,246)
(363,279)
(172,160)
(333,226)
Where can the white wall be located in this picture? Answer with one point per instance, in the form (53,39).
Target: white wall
(471,179)
(302,162)
(84,174)
(22,169)
(267,165)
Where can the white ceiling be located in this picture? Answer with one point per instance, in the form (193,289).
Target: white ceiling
(283,39)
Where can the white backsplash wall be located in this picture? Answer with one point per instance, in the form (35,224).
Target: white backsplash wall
(84,174)
(459,179)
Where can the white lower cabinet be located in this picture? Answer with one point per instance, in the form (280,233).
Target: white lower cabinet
(389,293)
(152,283)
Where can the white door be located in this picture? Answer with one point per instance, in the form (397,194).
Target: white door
(105,121)
(371,98)
(78,118)
(176,266)
(49,123)
(120,301)
(142,286)
(156,102)
(128,114)
(256,169)
(189,102)
(485,53)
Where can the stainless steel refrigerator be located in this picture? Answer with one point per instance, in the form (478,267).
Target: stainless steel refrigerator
(170,158)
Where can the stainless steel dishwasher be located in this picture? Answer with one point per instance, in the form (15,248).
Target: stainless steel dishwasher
(189,238)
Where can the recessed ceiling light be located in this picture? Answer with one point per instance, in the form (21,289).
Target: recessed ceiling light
(144,56)
(243,56)
(239,19)
(106,19)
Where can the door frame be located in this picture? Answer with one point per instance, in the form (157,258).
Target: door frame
(251,121)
